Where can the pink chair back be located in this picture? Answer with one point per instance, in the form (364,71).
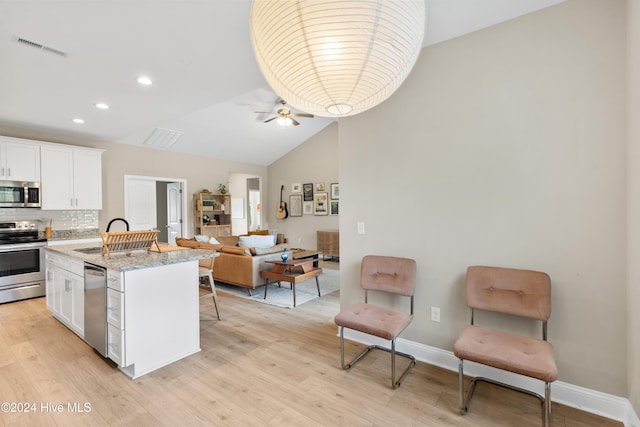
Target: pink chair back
(521,292)
(388,274)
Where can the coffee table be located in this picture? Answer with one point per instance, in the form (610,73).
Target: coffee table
(304,254)
(292,271)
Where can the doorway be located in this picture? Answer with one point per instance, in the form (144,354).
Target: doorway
(254,210)
(245,190)
(154,203)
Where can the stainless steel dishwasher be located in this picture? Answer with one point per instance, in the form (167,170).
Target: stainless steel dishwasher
(95,307)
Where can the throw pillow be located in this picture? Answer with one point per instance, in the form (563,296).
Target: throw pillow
(271,250)
(256,241)
(235,250)
(204,239)
(214,241)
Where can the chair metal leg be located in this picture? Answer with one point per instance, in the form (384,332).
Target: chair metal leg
(464,400)
(394,383)
(547,404)
(463,407)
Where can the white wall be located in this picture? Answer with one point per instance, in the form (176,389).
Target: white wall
(504,147)
(633,194)
(314,161)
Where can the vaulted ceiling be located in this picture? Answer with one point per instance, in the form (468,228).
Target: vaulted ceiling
(206,83)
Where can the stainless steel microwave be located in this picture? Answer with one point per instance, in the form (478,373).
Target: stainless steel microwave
(18,194)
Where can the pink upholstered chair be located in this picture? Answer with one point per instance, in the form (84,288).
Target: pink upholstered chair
(523,293)
(383,274)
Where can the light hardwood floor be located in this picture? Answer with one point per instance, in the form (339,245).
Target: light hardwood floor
(259,366)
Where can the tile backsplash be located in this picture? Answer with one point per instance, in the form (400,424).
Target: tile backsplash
(77,220)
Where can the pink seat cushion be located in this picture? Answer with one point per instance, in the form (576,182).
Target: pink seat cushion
(523,355)
(373,320)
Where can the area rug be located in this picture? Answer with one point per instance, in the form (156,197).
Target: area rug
(283,296)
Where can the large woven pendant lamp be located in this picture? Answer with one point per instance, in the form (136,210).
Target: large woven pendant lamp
(336,58)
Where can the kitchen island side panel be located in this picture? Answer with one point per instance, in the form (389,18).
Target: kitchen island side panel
(161,316)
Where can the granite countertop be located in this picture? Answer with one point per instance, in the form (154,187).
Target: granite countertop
(61,235)
(123,261)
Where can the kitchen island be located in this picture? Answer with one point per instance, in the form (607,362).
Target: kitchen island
(152,302)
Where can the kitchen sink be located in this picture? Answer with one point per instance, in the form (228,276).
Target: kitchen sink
(92,250)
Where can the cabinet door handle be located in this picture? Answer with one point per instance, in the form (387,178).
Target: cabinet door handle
(71,202)
(67,284)
(8,171)
(76,202)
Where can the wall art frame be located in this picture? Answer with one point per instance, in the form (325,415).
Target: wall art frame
(335,191)
(307,190)
(321,203)
(295,205)
(307,208)
(334,206)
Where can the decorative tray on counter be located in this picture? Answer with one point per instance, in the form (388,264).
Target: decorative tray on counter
(125,241)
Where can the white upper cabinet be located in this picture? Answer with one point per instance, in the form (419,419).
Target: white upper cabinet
(87,182)
(19,161)
(71,178)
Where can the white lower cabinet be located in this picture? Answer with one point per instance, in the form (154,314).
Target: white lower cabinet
(65,290)
(115,347)
(115,302)
(115,318)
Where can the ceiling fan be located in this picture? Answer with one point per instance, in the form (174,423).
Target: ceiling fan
(284,116)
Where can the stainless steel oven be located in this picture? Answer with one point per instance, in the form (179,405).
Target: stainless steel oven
(22,264)
(19,194)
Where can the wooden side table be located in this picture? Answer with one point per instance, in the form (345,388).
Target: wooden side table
(292,271)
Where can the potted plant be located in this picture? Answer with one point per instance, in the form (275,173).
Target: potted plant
(222,188)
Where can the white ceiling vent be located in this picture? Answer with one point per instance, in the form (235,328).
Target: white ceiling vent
(36,45)
(163,138)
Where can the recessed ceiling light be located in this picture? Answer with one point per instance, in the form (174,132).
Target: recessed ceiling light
(78,120)
(102,106)
(144,80)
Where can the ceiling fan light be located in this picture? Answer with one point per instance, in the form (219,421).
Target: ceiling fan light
(336,58)
(284,121)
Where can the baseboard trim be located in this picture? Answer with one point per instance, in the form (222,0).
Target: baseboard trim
(595,402)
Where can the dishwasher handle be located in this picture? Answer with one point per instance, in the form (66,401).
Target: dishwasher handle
(94,277)
(95,270)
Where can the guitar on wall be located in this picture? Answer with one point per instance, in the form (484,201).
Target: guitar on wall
(282,207)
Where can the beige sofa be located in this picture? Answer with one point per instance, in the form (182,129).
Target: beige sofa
(237,265)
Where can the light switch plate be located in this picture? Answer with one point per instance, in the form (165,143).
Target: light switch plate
(435,314)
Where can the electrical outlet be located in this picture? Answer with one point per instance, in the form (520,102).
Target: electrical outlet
(435,314)
(360,227)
